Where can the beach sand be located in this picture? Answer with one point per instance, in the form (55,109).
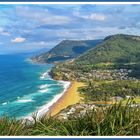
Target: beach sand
(70,97)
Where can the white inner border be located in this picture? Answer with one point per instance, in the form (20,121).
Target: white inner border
(67,3)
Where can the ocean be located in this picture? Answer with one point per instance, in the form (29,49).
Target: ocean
(26,88)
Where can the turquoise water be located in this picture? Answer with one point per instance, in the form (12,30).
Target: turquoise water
(25,87)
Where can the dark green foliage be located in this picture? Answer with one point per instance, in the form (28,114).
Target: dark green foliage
(105,90)
(65,50)
(115,52)
(116,49)
(104,121)
(109,121)
(11,127)
(136,70)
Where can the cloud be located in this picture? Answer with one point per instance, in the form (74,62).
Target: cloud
(18,40)
(58,20)
(41,43)
(95,16)
(43,26)
(3,32)
(91,16)
(98,17)
(40,16)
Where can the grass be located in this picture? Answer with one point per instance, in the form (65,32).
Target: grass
(136,100)
(10,127)
(104,121)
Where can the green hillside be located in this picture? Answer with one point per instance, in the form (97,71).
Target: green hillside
(117,48)
(117,57)
(65,50)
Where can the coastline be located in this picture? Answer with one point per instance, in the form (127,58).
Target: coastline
(70,97)
(42,111)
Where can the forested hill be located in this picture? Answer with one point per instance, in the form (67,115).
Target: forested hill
(67,49)
(116,48)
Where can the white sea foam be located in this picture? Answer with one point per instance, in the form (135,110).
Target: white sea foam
(56,84)
(43,86)
(43,90)
(44,75)
(24,100)
(44,109)
(28,98)
(5,103)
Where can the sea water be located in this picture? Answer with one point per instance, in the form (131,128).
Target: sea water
(26,87)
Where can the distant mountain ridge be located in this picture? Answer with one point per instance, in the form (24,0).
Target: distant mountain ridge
(119,54)
(118,48)
(65,50)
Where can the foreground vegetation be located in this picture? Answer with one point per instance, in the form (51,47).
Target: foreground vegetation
(106,121)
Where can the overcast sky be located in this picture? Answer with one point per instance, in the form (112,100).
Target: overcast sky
(33,27)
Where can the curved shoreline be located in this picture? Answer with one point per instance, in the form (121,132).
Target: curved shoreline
(43,110)
(70,97)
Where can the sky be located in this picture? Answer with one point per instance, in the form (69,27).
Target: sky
(27,28)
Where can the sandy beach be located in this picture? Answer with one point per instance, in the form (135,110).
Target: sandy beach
(70,97)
